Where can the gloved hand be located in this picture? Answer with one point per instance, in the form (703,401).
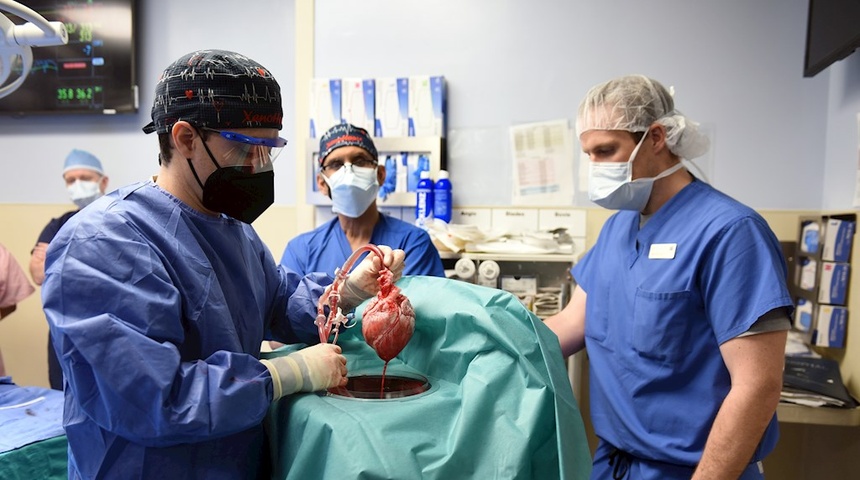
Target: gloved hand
(308,370)
(362,282)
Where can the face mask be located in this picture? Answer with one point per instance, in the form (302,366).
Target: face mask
(610,184)
(353,189)
(237,191)
(84,192)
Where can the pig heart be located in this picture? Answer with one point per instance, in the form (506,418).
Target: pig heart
(389,319)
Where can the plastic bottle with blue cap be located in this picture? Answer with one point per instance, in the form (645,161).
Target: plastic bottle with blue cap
(442,197)
(424,199)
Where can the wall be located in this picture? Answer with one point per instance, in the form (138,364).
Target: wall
(736,67)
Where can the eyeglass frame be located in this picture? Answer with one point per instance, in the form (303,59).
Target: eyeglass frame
(364,163)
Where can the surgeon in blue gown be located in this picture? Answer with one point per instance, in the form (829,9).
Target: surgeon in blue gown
(159,294)
(350,175)
(682,303)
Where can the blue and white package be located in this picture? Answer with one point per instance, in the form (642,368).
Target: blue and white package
(428,106)
(358,105)
(838,239)
(392,107)
(808,272)
(415,164)
(325,105)
(834,283)
(803,315)
(830,331)
(809,237)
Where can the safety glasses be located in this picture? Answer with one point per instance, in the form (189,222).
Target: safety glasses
(247,151)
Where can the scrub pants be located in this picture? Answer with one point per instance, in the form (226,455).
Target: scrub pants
(613,464)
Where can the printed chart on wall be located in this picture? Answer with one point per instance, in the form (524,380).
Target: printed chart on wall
(543,163)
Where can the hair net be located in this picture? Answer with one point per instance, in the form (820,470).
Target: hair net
(82,159)
(635,102)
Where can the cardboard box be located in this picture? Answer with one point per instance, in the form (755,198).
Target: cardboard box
(428,106)
(358,105)
(392,107)
(325,105)
(830,331)
(838,239)
(833,288)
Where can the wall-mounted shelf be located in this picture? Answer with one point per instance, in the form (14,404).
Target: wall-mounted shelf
(843,417)
(433,147)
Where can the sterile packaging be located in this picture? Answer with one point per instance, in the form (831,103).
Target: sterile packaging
(838,237)
(830,331)
(810,237)
(803,315)
(428,106)
(415,164)
(325,105)
(392,107)
(807,273)
(834,283)
(358,102)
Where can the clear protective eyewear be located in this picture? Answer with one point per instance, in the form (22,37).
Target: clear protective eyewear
(359,162)
(247,151)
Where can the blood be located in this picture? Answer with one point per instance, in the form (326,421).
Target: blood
(370,386)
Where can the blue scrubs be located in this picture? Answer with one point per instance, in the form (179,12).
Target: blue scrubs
(326,248)
(157,313)
(655,320)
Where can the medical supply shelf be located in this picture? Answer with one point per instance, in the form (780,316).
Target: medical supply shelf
(433,147)
(819,278)
(843,417)
(812,240)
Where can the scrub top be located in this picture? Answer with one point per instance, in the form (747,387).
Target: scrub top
(157,313)
(326,248)
(55,373)
(661,301)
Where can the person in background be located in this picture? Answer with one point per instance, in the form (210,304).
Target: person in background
(14,288)
(86,181)
(160,294)
(681,304)
(350,175)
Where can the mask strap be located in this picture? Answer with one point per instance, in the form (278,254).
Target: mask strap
(191,165)
(669,171)
(211,157)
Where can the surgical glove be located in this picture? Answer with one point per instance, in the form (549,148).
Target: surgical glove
(363,282)
(310,369)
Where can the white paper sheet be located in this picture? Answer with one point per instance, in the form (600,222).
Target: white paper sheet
(543,167)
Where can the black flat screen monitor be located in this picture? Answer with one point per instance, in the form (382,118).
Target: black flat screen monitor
(93,73)
(832,33)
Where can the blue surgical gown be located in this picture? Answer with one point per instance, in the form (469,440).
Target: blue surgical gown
(157,313)
(654,325)
(326,248)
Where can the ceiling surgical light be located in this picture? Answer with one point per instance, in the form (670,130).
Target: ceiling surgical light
(16,40)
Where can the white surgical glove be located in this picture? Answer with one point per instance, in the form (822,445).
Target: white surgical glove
(362,282)
(308,370)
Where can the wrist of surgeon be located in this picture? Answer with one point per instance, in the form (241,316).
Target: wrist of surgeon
(311,369)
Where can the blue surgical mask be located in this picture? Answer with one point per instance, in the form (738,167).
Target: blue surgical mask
(353,189)
(611,186)
(84,192)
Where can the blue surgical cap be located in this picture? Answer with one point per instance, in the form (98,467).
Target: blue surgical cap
(81,159)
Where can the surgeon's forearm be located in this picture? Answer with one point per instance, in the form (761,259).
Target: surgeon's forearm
(755,365)
(736,432)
